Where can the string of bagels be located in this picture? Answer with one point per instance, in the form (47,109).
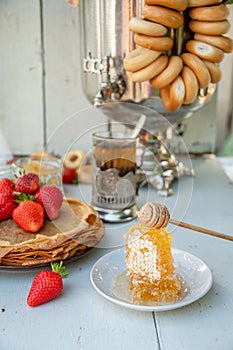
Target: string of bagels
(179,77)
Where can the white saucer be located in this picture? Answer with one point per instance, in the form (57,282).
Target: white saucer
(109,279)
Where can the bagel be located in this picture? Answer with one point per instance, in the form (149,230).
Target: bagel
(191,85)
(197,3)
(210,13)
(167,17)
(179,5)
(173,95)
(179,77)
(139,58)
(221,42)
(214,70)
(161,43)
(210,28)
(205,51)
(73,159)
(139,25)
(198,67)
(170,73)
(150,71)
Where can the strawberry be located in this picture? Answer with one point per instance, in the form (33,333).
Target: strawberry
(6,186)
(7,206)
(47,285)
(69,176)
(51,198)
(27,183)
(29,216)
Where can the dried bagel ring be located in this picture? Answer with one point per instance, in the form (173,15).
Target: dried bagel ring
(139,25)
(210,13)
(214,70)
(73,159)
(167,17)
(197,3)
(173,95)
(198,67)
(161,43)
(205,51)
(179,5)
(139,58)
(210,28)
(221,42)
(150,71)
(170,73)
(191,85)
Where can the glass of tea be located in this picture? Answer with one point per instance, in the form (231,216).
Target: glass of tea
(114,176)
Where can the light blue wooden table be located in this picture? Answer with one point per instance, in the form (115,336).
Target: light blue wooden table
(82,319)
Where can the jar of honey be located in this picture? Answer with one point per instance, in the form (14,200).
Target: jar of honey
(48,168)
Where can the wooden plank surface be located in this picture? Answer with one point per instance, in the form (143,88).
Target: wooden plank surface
(21,110)
(207,323)
(78,319)
(44,91)
(69,115)
(82,319)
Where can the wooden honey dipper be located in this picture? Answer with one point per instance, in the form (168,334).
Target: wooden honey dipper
(157,215)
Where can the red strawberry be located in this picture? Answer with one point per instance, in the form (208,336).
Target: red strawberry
(29,216)
(47,285)
(6,186)
(27,183)
(7,206)
(51,198)
(69,176)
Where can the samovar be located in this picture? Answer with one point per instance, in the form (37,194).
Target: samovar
(105,41)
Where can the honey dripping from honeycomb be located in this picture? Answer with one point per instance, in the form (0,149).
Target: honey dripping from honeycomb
(149,260)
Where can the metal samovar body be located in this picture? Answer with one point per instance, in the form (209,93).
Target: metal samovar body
(105,41)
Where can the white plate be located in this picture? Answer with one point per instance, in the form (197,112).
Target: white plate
(109,279)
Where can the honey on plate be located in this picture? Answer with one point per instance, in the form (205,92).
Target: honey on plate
(149,263)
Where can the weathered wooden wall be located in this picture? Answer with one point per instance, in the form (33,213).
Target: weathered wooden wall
(41,99)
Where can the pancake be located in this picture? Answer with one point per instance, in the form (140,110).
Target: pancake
(76,230)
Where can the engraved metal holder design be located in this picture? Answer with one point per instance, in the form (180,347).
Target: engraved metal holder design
(105,41)
(114,176)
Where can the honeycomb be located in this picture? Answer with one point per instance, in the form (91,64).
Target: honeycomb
(150,265)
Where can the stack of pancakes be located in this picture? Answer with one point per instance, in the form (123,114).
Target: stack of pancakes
(76,230)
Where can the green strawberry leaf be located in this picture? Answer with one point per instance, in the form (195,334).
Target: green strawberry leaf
(59,268)
(23,197)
